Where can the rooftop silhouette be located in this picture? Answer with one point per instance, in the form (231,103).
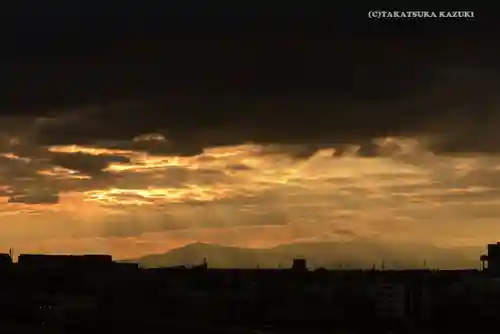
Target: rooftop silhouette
(93,292)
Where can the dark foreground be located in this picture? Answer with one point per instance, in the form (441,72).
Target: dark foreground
(113,297)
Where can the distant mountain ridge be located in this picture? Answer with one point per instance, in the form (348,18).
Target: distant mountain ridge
(350,254)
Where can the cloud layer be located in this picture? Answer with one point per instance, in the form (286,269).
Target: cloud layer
(71,192)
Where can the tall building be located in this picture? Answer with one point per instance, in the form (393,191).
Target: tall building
(299,265)
(494,259)
(5,260)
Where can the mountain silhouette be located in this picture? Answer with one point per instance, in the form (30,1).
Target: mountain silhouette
(352,254)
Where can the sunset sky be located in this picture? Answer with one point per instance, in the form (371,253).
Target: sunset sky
(131,146)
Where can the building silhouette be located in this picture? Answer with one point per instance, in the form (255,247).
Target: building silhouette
(85,293)
(299,265)
(493,258)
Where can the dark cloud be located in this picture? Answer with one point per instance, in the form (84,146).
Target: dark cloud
(35,198)
(368,150)
(300,125)
(159,148)
(297,151)
(238,167)
(339,151)
(16,168)
(284,88)
(85,163)
(106,126)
